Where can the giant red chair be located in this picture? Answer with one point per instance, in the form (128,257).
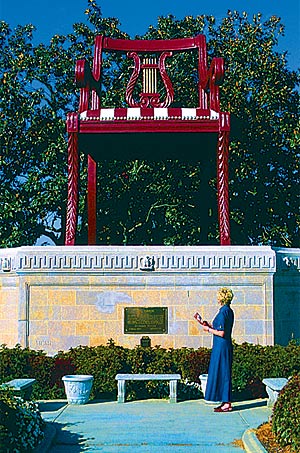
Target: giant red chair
(93,127)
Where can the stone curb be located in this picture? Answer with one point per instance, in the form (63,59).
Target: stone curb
(251,442)
(50,433)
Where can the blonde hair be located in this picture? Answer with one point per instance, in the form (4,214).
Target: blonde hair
(226,296)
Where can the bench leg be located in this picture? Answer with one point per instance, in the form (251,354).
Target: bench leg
(121,391)
(173,391)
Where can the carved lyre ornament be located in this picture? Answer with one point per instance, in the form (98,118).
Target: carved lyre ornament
(150,68)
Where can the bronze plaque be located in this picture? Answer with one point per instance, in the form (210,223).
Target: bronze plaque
(146,320)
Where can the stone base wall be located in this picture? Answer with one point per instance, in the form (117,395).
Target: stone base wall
(54,298)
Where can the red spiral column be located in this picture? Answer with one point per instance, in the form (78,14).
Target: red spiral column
(73,174)
(92,200)
(222,187)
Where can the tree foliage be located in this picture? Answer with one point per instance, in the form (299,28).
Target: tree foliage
(260,93)
(148,201)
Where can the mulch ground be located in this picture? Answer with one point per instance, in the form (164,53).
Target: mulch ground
(267,438)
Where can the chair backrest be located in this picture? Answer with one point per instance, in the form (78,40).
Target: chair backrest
(149,70)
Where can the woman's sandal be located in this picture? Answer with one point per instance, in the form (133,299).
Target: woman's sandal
(220,409)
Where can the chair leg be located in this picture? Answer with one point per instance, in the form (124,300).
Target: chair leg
(72,203)
(222,185)
(92,200)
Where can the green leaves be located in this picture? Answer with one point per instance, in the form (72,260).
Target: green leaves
(160,202)
(262,95)
(144,202)
(30,127)
(21,424)
(286,419)
(252,363)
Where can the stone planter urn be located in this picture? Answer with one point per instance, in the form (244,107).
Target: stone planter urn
(203,381)
(78,387)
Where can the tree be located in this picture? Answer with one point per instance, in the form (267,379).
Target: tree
(148,202)
(32,177)
(36,91)
(261,94)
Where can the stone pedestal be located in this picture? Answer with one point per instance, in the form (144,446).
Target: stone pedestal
(273,388)
(54,298)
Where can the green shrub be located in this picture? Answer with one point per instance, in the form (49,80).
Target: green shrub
(21,424)
(22,363)
(187,362)
(103,362)
(286,415)
(252,363)
(192,362)
(64,364)
(140,360)
(13,361)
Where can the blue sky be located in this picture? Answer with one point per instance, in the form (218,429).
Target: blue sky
(57,16)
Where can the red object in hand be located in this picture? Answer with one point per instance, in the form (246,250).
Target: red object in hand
(200,320)
(198,317)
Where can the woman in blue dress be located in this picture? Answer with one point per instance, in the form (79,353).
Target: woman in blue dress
(219,387)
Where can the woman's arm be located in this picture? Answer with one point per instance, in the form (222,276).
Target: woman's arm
(218,333)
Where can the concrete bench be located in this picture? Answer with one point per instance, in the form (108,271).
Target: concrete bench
(273,387)
(172,378)
(22,387)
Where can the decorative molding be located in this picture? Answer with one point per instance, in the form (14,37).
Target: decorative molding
(6,264)
(147,263)
(288,259)
(137,259)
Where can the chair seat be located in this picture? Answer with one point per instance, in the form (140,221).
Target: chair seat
(139,113)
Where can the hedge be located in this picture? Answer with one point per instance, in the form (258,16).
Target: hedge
(21,424)
(251,364)
(286,415)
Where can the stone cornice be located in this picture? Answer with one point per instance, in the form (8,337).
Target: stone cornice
(137,259)
(287,259)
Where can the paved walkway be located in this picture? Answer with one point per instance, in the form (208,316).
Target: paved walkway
(154,426)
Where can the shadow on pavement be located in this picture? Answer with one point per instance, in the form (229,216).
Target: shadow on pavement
(249,405)
(97,401)
(51,406)
(68,441)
